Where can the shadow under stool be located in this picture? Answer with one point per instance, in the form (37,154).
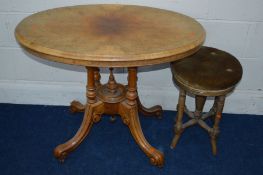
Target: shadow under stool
(208,73)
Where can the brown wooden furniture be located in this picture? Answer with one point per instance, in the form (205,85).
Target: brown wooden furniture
(209,72)
(110,36)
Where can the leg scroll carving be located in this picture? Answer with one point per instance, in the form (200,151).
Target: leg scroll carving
(130,117)
(153,111)
(112,99)
(90,116)
(76,106)
(128,111)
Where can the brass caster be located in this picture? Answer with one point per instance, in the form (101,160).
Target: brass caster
(113,118)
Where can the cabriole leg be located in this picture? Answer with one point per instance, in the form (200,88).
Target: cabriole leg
(93,110)
(129,113)
(156,111)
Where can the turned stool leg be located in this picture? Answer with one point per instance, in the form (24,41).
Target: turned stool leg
(178,129)
(199,105)
(215,130)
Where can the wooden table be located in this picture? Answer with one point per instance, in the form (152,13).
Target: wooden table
(110,36)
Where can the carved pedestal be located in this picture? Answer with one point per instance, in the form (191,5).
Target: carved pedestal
(112,99)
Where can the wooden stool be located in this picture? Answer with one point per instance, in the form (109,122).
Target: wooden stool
(209,72)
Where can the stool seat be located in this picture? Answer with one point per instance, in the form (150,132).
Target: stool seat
(209,72)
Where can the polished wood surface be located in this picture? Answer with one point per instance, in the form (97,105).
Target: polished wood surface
(209,72)
(116,99)
(110,35)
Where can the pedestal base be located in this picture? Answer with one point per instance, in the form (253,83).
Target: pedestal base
(112,99)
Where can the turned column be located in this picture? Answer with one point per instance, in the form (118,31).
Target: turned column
(112,84)
(91,89)
(97,77)
(76,106)
(131,94)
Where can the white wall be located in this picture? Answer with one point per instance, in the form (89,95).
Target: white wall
(235,26)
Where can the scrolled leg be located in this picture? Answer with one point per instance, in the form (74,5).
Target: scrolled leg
(93,111)
(128,111)
(62,151)
(131,119)
(152,111)
(178,128)
(76,106)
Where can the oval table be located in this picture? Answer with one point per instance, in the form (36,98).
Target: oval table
(110,36)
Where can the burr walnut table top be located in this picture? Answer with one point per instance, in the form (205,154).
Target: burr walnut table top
(110,35)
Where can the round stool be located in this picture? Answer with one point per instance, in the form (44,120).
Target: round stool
(209,72)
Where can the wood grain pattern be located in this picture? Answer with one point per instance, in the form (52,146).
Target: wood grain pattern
(110,35)
(112,100)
